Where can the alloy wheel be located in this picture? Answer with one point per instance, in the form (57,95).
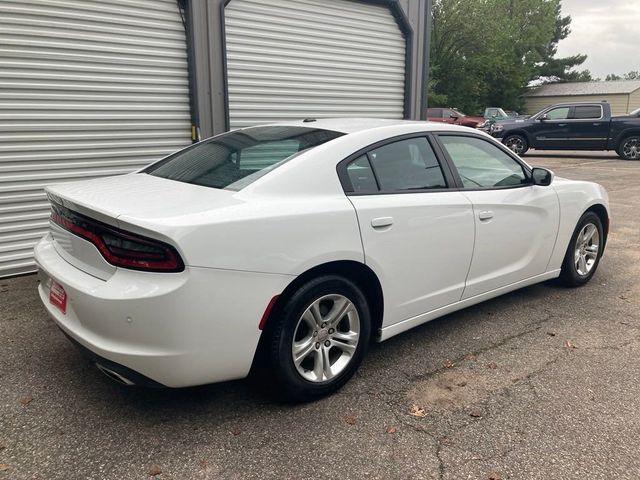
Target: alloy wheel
(325,338)
(586,249)
(631,149)
(515,144)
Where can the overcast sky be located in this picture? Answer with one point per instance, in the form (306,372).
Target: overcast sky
(608,31)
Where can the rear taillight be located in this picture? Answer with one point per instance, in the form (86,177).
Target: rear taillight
(118,247)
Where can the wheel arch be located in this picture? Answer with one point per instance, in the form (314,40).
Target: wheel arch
(522,133)
(630,132)
(601,211)
(359,273)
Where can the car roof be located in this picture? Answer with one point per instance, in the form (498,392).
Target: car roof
(354,125)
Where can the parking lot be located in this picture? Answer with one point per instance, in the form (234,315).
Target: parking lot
(540,383)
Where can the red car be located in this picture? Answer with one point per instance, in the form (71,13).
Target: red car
(451,115)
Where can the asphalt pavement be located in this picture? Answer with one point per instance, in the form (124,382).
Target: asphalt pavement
(542,383)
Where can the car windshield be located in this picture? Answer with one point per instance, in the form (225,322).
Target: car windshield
(635,113)
(234,160)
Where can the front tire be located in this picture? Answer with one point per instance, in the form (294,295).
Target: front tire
(318,339)
(630,148)
(517,144)
(584,251)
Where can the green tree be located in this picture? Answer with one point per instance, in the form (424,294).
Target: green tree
(561,69)
(633,75)
(486,52)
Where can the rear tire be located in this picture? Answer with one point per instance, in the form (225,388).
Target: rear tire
(517,144)
(629,148)
(318,339)
(584,251)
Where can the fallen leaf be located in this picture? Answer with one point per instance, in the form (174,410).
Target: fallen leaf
(2,446)
(461,384)
(492,365)
(470,356)
(624,323)
(623,297)
(475,413)
(447,364)
(4,466)
(235,432)
(551,334)
(445,441)
(203,463)
(569,344)
(494,476)
(26,400)
(391,429)
(350,419)
(417,411)
(155,470)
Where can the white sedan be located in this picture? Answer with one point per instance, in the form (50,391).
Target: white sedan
(288,248)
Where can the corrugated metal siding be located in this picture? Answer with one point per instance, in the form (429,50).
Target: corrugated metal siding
(618,102)
(88,88)
(289,59)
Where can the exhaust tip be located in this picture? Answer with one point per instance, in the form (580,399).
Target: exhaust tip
(115,376)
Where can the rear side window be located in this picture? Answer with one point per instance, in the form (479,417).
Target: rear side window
(402,166)
(587,112)
(434,112)
(361,175)
(234,160)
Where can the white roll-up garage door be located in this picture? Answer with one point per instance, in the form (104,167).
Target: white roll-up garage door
(290,59)
(88,88)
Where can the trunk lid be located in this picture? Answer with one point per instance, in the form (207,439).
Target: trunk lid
(149,204)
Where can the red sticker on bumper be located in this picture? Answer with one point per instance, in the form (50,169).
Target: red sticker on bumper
(58,297)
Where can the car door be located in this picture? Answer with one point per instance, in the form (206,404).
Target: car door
(516,221)
(416,232)
(551,130)
(587,128)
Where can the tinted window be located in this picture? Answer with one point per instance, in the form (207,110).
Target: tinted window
(560,113)
(407,165)
(234,160)
(587,111)
(481,164)
(361,175)
(434,112)
(449,114)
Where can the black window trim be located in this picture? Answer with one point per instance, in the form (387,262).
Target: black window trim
(345,181)
(459,186)
(451,176)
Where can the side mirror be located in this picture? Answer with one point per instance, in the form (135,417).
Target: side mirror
(543,118)
(542,176)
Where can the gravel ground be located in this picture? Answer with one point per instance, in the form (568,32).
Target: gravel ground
(540,383)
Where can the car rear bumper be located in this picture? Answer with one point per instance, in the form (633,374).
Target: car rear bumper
(195,327)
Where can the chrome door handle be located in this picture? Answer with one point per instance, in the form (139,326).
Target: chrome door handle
(486,215)
(596,124)
(382,222)
(562,124)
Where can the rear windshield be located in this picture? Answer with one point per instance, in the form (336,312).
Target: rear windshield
(234,160)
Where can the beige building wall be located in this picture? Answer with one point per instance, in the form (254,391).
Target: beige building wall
(634,101)
(619,103)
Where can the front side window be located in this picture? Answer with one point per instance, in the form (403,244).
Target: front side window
(560,113)
(584,112)
(234,160)
(406,165)
(481,164)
